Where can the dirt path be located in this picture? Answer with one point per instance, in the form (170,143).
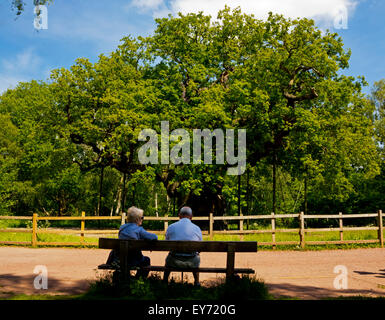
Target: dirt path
(308,274)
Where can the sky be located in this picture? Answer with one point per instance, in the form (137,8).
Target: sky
(88,28)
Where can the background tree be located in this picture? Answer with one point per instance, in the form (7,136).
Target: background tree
(74,140)
(19,5)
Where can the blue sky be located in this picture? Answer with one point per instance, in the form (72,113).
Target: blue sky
(88,28)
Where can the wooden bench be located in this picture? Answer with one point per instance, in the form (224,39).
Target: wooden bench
(123,247)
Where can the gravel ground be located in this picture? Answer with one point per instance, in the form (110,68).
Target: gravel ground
(300,274)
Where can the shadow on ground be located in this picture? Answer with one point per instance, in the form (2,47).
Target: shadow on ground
(379,274)
(288,290)
(12,284)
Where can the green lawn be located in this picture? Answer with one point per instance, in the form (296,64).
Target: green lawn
(44,238)
(280,237)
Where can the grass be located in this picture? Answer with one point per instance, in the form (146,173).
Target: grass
(49,237)
(280,237)
(313,236)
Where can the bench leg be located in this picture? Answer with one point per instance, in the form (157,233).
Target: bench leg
(196,278)
(230,262)
(166,274)
(116,277)
(123,260)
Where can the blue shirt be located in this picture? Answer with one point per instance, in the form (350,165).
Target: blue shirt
(131,231)
(184,229)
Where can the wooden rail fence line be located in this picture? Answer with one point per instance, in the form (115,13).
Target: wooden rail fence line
(301,231)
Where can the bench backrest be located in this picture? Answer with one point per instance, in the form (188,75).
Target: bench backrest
(180,246)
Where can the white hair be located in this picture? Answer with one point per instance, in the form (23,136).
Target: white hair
(134,215)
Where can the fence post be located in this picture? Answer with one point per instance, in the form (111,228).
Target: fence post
(341,227)
(211,226)
(302,230)
(380,228)
(123,218)
(82,227)
(34,230)
(165,223)
(273,230)
(241,226)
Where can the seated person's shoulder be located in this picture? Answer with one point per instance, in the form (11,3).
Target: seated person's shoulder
(197,227)
(123,226)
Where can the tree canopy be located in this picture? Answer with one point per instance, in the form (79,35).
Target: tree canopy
(280,79)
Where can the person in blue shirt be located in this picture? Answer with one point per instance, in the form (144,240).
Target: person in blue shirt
(182,230)
(133,230)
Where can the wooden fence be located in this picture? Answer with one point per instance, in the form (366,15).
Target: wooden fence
(302,231)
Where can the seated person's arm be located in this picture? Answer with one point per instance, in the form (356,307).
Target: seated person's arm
(199,234)
(147,235)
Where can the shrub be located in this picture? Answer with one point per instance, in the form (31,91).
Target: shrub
(153,288)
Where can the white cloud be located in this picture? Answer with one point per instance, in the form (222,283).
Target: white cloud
(103,31)
(26,60)
(260,8)
(323,11)
(147,4)
(9,82)
(157,7)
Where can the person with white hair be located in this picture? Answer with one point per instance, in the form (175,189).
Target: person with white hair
(133,230)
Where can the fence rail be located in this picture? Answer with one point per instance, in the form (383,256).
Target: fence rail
(301,231)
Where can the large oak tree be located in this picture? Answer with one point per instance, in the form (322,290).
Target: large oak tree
(280,79)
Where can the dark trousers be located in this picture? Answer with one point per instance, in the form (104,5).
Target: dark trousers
(144,263)
(138,262)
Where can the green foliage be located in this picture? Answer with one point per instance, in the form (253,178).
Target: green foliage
(19,5)
(153,288)
(71,144)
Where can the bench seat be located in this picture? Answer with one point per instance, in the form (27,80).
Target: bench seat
(163,268)
(125,247)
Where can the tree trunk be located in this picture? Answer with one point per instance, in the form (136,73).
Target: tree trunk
(124,192)
(305,195)
(134,195)
(118,199)
(100,190)
(174,205)
(204,204)
(168,201)
(274,208)
(156,204)
(239,199)
(247,196)
(209,200)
